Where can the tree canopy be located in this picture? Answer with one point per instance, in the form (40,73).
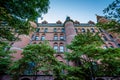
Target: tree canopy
(90,60)
(16,14)
(112,14)
(37,58)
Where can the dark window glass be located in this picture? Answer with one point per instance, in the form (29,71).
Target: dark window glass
(76,30)
(119,45)
(111,36)
(105,38)
(62,30)
(55,30)
(46,30)
(83,30)
(92,29)
(37,29)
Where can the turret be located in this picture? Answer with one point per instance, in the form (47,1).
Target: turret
(69,29)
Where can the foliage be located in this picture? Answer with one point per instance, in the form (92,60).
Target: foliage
(112,13)
(110,64)
(5,58)
(36,58)
(113,10)
(84,49)
(90,59)
(16,15)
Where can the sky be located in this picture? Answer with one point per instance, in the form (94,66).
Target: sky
(80,10)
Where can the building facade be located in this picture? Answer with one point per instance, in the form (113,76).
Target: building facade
(59,35)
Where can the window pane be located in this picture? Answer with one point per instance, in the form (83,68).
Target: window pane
(61,37)
(61,48)
(37,29)
(55,30)
(46,30)
(83,30)
(62,30)
(36,38)
(55,37)
(56,48)
(43,38)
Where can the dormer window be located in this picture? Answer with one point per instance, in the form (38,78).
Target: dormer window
(59,22)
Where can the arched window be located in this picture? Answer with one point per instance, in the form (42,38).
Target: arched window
(61,47)
(110,45)
(55,47)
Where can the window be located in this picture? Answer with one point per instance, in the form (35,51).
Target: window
(36,38)
(100,30)
(105,38)
(83,30)
(42,37)
(61,37)
(37,29)
(111,36)
(55,30)
(46,30)
(55,47)
(105,47)
(118,45)
(92,29)
(62,30)
(55,37)
(61,48)
(76,30)
(110,45)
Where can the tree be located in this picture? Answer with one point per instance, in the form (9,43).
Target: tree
(110,64)
(36,58)
(113,10)
(112,13)
(16,16)
(90,60)
(84,49)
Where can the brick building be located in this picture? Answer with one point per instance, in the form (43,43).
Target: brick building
(59,34)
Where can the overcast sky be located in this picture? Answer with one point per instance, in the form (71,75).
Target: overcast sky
(81,10)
